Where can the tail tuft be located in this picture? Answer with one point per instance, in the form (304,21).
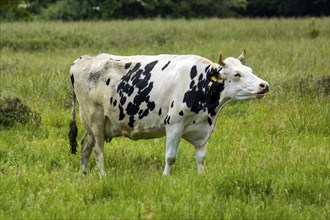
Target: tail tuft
(72,136)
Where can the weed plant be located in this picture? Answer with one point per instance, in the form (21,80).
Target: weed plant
(267,159)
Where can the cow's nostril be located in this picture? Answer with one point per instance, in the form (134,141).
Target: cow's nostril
(264,87)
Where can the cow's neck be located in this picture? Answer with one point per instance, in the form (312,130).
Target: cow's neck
(214,101)
(223,102)
(220,103)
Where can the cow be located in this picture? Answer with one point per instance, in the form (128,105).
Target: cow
(144,97)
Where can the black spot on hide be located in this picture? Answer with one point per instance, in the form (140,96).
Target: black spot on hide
(200,77)
(121,113)
(172,104)
(131,121)
(193,72)
(207,68)
(160,111)
(143,113)
(181,113)
(151,106)
(108,81)
(123,100)
(192,83)
(209,120)
(201,96)
(167,119)
(127,65)
(137,81)
(166,65)
(132,108)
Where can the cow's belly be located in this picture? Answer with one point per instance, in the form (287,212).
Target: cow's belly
(139,131)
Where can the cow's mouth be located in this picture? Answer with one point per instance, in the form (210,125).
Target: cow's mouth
(260,95)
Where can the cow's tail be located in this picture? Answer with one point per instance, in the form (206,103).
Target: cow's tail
(73,126)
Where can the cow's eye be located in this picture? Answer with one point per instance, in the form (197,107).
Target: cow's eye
(237,75)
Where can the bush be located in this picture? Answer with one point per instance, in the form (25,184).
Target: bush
(13,110)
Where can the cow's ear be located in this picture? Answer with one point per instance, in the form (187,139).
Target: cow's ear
(221,59)
(217,76)
(242,57)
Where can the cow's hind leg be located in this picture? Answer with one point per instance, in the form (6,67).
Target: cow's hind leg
(99,154)
(200,158)
(173,137)
(87,145)
(94,124)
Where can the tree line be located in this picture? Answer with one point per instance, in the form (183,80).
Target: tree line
(72,10)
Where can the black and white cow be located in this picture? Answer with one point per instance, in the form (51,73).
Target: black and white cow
(143,97)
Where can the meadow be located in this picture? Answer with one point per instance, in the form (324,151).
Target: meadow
(267,159)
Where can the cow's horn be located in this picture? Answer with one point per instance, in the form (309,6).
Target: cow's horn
(221,59)
(242,57)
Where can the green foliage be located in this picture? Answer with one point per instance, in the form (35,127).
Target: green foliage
(13,110)
(313,32)
(14,10)
(285,8)
(267,159)
(73,10)
(69,10)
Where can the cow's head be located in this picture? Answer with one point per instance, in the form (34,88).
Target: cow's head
(240,83)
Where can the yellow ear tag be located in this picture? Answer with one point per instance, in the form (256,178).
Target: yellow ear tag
(214,78)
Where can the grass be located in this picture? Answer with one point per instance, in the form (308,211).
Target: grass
(267,159)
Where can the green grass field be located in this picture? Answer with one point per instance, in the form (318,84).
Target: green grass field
(267,159)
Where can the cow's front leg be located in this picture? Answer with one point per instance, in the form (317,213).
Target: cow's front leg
(200,158)
(173,137)
(87,144)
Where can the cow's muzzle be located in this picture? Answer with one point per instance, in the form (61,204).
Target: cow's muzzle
(264,88)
